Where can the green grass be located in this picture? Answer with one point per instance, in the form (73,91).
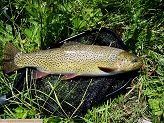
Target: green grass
(34,25)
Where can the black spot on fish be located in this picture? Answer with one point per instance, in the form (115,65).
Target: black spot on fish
(134,60)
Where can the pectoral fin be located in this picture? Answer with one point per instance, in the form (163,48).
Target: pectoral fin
(69,76)
(106,69)
(38,74)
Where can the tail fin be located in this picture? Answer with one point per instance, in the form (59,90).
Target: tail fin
(8,64)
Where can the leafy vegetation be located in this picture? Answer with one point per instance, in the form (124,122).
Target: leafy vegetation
(33,25)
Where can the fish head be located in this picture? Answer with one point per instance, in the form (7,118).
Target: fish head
(128,62)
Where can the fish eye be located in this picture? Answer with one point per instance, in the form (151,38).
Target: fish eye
(134,60)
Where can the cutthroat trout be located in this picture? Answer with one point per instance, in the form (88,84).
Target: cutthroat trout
(72,61)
